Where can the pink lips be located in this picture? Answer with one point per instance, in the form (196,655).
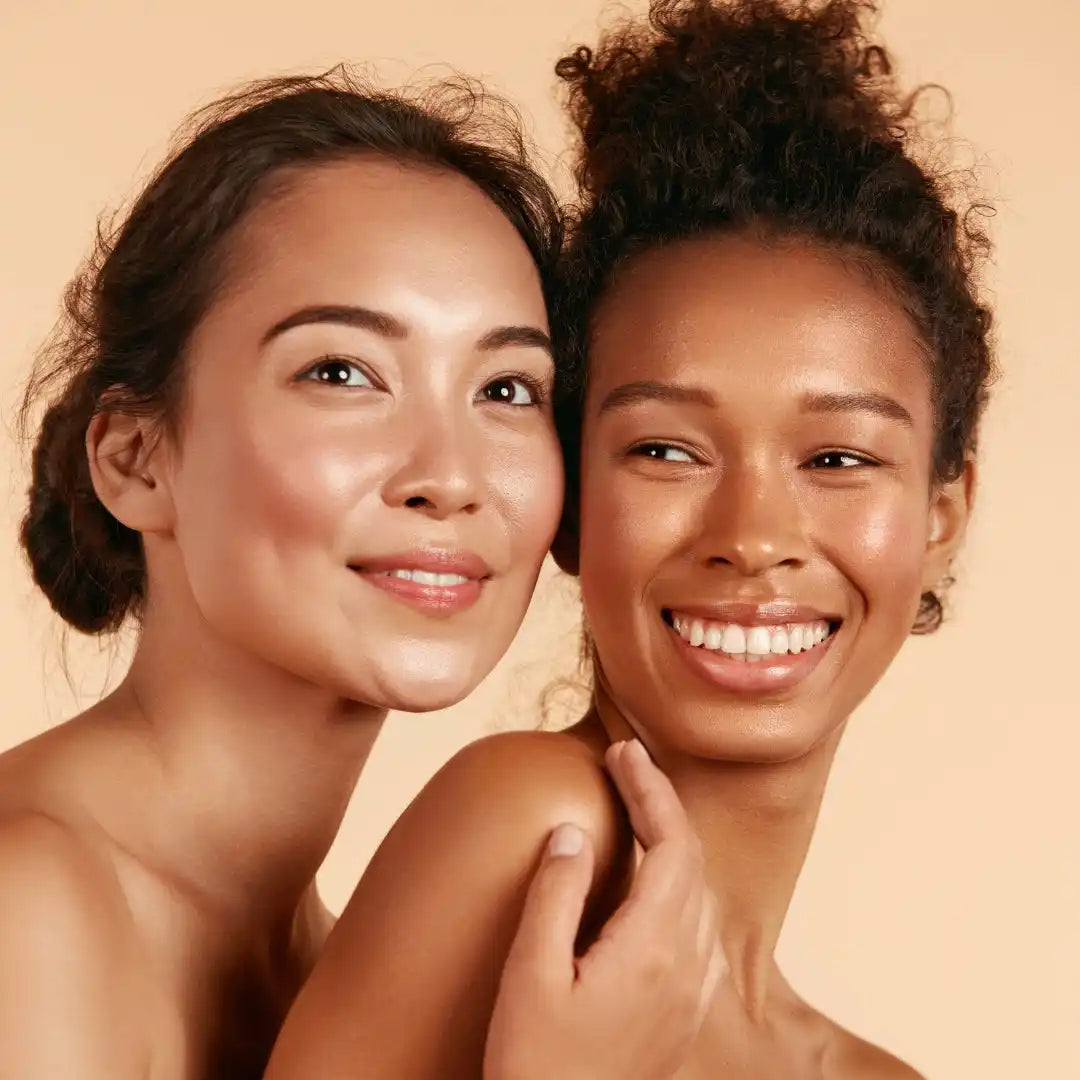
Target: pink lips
(426,596)
(771,674)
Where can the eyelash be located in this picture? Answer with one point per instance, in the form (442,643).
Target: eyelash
(641,450)
(537,389)
(860,460)
(816,462)
(307,375)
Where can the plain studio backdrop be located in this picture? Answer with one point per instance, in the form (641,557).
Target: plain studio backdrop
(939,912)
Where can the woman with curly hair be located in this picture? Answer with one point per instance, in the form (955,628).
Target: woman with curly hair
(777,361)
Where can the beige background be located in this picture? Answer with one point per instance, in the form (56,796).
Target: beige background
(940,909)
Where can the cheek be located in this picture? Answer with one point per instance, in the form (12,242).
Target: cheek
(255,497)
(629,527)
(880,545)
(527,482)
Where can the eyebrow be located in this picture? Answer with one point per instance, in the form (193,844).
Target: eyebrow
(530,337)
(387,326)
(342,315)
(646,390)
(879,404)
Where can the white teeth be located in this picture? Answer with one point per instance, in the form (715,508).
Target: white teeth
(757,641)
(426,577)
(752,643)
(734,640)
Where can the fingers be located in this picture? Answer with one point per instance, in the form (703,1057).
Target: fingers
(663,891)
(544,946)
(655,811)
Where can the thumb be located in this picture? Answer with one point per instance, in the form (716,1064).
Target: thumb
(544,946)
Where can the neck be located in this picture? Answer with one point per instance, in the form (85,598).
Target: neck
(755,822)
(245,770)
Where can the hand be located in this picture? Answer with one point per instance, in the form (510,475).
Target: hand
(631,1008)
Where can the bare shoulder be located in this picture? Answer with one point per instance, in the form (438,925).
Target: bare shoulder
(42,857)
(68,945)
(857,1059)
(489,810)
(536,779)
(426,933)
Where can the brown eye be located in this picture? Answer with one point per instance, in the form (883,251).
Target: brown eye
(338,372)
(512,390)
(663,452)
(839,459)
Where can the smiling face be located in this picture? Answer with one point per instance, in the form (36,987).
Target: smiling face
(366,476)
(757,514)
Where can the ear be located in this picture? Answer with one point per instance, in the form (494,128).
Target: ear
(950,509)
(127,470)
(564,548)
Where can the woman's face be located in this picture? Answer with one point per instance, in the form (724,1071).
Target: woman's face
(366,478)
(757,518)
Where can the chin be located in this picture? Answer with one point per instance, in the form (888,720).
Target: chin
(750,736)
(424,677)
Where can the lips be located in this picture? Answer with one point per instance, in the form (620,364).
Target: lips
(466,564)
(435,581)
(749,649)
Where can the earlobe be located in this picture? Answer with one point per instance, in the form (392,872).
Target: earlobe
(121,451)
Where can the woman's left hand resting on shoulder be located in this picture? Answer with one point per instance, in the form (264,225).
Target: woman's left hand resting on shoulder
(413,975)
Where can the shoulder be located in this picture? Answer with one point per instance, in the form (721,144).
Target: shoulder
(504,794)
(475,833)
(45,860)
(857,1059)
(536,778)
(425,935)
(66,938)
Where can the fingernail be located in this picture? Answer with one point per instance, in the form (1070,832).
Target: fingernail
(565,840)
(635,747)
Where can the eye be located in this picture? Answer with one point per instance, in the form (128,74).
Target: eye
(516,390)
(663,452)
(839,459)
(337,371)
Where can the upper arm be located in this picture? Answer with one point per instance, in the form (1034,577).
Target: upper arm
(62,973)
(408,979)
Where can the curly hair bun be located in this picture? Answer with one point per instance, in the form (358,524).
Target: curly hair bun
(88,565)
(783,116)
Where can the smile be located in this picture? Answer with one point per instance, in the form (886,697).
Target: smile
(434,581)
(426,577)
(751,658)
(753,643)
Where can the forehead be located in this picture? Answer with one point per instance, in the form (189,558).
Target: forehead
(725,310)
(371,224)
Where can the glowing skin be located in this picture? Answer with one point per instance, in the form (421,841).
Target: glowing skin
(758,440)
(423,440)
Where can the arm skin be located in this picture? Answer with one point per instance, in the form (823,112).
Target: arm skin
(69,996)
(408,979)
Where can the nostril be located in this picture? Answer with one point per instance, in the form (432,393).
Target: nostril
(418,502)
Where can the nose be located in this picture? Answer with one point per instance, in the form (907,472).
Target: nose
(753,521)
(439,473)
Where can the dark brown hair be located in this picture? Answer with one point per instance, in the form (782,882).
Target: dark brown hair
(132,308)
(783,117)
